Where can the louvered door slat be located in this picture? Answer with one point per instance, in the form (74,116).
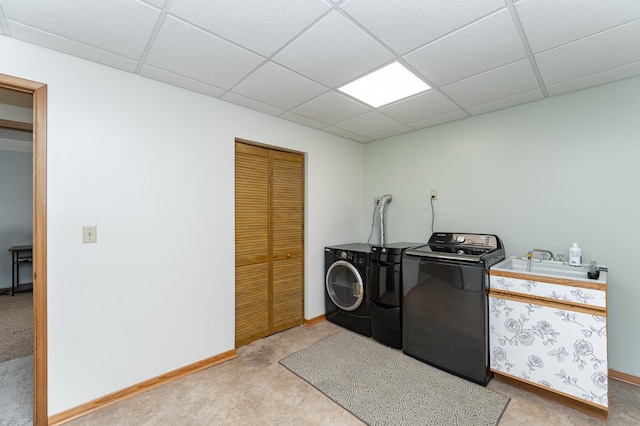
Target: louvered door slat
(252,244)
(287,221)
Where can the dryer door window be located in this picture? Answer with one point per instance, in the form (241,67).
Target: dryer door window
(345,285)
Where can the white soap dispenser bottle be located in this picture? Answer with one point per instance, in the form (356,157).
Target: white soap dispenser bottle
(575,255)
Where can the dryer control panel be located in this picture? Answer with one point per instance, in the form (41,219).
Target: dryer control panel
(355,258)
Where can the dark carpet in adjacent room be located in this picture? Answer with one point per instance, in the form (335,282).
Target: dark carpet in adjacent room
(16,326)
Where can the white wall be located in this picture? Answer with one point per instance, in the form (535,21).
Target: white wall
(152,167)
(543,175)
(16,210)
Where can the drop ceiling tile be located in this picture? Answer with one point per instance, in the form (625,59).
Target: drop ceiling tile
(603,77)
(300,119)
(122,27)
(383,134)
(157,3)
(406,25)
(183,49)
(486,44)
(346,134)
(234,98)
(333,52)
(180,81)
(440,119)
(262,28)
(551,23)
(501,82)
(428,104)
(578,44)
(508,101)
(278,86)
(3,23)
(71,47)
(362,139)
(591,54)
(330,108)
(368,123)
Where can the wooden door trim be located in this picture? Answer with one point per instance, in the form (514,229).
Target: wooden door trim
(267,146)
(39,92)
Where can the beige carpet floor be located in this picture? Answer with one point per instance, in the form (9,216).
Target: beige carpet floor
(16,326)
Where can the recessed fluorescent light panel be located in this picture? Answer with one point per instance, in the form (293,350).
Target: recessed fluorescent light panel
(388,84)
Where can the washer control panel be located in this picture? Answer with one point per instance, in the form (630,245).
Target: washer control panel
(484,241)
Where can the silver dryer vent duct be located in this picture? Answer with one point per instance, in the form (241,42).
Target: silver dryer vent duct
(384,200)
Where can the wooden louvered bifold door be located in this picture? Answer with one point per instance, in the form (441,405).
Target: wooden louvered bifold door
(269,241)
(287,222)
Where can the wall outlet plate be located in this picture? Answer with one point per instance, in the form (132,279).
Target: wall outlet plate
(89,234)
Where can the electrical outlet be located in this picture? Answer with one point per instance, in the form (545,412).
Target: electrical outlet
(376,201)
(434,194)
(89,234)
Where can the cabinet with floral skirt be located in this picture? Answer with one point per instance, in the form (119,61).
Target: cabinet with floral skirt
(555,345)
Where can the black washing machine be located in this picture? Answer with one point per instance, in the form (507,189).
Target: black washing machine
(347,286)
(445,305)
(385,292)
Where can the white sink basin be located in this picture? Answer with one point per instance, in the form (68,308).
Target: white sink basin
(547,268)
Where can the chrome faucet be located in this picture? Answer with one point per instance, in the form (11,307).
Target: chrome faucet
(530,256)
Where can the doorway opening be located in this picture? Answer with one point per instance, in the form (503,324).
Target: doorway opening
(39,92)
